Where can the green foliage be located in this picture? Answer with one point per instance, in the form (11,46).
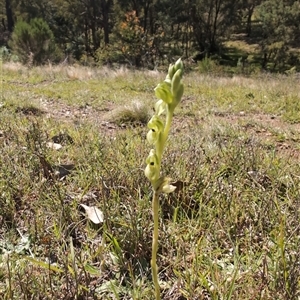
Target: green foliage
(109,54)
(153,34)
(208,66)
(126,43)
(211,22)
(130,34)
(279,28)
(33,42)
(7,56)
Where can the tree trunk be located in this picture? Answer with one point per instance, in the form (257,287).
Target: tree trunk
(249,17)
(151,20)
(9,16)
(86,36)
(213,44)
(106,5)
(93,17)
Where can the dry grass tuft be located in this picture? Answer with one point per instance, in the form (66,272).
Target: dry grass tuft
(13,66)
(79,72)
(136,112)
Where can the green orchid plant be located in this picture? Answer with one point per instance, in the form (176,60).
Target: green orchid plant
(169,93)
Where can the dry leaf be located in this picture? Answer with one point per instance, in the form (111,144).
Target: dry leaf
(54,146)
(52,172)
(63,170)
(93,213)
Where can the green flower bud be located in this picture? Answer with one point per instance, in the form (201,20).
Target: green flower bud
(178,65)
(160,107)
(152,168)
(168,80)
(178,95)
(176,80)
(171,71)
(162,91)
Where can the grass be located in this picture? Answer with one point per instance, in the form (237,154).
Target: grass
(231,231)
(134,113)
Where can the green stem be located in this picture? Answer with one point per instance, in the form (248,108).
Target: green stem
(155,206)
(164,135)
(168,124)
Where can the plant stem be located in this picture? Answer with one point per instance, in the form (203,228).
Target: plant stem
(155,205)
(169,118)
(161,144)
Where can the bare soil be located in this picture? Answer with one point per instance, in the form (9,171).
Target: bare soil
(268,129)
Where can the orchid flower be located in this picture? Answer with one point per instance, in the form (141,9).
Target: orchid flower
(169,92)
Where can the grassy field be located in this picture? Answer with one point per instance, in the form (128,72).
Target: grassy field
(73,135)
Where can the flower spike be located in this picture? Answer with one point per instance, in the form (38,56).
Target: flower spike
(169,93)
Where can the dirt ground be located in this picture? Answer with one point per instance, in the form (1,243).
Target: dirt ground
(266,128)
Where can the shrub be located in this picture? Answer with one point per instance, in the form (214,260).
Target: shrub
(209,65)
(4,54)
(33,42)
